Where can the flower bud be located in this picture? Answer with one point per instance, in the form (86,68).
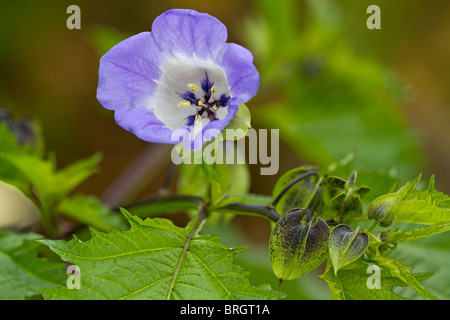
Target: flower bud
(16,210)
(381,209)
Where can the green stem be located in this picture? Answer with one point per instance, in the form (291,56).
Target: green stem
(187,202)
(372,226)
(251,209)
(47,221)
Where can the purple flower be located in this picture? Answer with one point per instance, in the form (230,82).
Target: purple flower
(181,75)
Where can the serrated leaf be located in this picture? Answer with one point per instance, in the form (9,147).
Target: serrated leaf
(346,245)
(141,263)
(22,272)
(422,206)
(351,283)
(428,255)
(378,252)
(414,234)
(417,206)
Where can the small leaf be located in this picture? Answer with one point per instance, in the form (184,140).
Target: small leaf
(297,246)
(346,246)
(90,211)
(51,185)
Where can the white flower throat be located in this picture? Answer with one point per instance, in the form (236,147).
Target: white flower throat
(190,92)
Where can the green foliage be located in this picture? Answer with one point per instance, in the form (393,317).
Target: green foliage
(351,283)
(150,257)
(421,206)
(348,246)
(24,166)
(22,271)
(327,101)
(90,211)
(334,109)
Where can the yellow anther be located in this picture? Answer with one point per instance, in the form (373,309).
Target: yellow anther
(199,103)
(213,89)
(184,103)
(214,107)
(193,87)
(198,119)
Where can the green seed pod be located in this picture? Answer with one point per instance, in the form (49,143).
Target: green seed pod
(298,246)
(346,245)
(381,209)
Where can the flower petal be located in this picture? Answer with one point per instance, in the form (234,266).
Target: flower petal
(189,32)
(242,75)
(144,125)
(127,72)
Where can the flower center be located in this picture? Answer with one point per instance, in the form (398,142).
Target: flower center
(189,89)
(206,99)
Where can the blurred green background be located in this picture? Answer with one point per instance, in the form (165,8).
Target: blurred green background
(332,86)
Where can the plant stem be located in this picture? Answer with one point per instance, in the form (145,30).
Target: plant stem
(264,211)
(190,202)
(372,226)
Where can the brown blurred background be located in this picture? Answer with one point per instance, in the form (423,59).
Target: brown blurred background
(50,73)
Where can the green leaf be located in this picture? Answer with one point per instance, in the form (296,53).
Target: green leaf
(238,126)
(428,255)
(378,253)
(351,283)
(50,184)
(414,234)
(90,211)
(141,264)
(22,272)
(346,245)
(415,206)
(329,101)
(297,246)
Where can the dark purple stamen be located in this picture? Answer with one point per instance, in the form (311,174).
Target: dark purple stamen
(206,108)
